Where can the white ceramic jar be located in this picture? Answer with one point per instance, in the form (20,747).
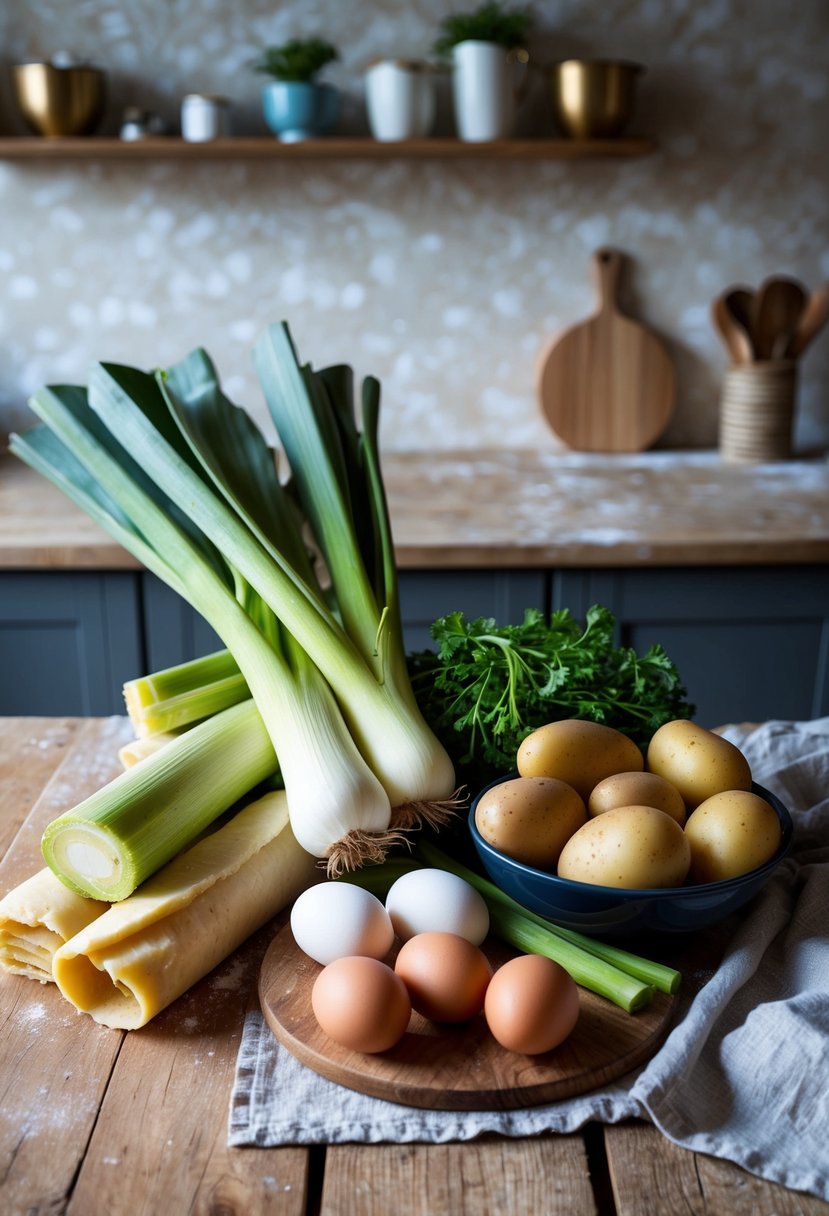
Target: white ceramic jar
(400,99)
(203,118)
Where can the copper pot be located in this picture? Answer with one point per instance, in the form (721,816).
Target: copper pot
(60,101)
(593,98)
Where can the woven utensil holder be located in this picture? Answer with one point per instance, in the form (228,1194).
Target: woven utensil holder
(757,411)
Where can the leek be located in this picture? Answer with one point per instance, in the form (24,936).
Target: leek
(182,478)
(108,844)
(186,693)
(318,757)
(139,749)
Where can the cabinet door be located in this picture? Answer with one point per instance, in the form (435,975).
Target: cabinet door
(751,643)
(68,641)
(174,632)
(502,594)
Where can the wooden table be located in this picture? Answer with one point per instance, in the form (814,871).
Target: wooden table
(96,1121)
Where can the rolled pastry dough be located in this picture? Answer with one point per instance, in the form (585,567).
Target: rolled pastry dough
(139,955)
(36,918)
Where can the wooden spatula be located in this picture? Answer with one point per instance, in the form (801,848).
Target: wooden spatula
(607,384)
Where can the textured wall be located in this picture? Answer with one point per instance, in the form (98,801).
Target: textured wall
(445,279)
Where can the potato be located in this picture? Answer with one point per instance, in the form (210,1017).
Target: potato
(628,846)
(530,818)
(730,834)
(580,753)
(698,762)
(637,789)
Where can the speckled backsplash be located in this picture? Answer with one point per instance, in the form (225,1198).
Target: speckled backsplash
(444,279)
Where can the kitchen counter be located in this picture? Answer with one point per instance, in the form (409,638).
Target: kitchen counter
(98,1121)
(514,508)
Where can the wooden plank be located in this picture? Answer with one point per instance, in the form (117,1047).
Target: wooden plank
(546,1176)
(333,148)
(643,1163)
(160,1144)
(30,751)
(54,1063)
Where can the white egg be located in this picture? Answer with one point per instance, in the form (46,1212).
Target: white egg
(337,919)
(425,901)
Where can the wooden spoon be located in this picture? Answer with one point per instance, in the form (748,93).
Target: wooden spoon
(739,303)
(777,309)
(812,319)
(733,333)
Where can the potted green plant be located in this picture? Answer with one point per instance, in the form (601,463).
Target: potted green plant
(295,104)
(483,46)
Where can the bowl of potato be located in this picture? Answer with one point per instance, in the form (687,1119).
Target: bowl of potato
(601,837)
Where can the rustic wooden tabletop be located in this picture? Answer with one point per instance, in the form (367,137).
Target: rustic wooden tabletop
(96,1121)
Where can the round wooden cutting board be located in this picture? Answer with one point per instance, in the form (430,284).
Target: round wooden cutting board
(607,384)
(458,1067)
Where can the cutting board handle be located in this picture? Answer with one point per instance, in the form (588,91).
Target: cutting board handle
(607,270)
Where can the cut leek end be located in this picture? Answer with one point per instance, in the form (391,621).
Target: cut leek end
(137,697)
(139,749)
(89,861)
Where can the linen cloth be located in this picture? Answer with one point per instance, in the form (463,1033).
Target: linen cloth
(743,1074)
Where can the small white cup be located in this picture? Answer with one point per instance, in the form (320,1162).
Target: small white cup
(203,118)
(400,99)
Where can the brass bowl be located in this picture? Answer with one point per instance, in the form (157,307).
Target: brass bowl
(60,101)
(593,98)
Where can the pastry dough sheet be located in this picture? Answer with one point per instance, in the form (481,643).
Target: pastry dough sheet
(135,959)
(36,918)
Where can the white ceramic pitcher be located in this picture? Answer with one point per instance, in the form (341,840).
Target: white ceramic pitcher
(485,89)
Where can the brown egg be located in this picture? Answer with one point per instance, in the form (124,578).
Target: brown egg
(531,1005)
(637,789)
(446,976)
(360,1003)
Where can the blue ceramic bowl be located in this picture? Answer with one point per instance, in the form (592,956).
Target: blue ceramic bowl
(614,912)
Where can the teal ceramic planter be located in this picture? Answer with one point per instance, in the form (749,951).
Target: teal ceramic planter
(295,110)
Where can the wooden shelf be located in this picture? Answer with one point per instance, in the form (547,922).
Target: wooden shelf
(26,148)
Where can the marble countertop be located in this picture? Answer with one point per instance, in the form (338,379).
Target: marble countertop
(516,508)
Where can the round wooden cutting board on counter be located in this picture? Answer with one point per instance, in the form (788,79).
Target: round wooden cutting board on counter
(458,1067)
(607,384)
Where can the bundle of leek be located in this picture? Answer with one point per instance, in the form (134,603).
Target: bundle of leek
(183,479)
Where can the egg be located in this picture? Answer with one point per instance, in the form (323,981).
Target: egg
(446,976)
(361,1003)
(731,833)
(697,761)
(531,1004)
(637,789)
(333,920)
(426,900)
(579,752)
(629,846)
(530,818)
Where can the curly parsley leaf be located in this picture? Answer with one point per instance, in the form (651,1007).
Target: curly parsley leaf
(485,686)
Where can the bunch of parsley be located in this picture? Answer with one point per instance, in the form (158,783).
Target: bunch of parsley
(487,686)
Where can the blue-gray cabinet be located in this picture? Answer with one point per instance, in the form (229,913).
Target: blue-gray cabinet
(750,642)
